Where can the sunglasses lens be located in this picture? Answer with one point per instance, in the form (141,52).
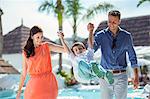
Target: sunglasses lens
(114,43)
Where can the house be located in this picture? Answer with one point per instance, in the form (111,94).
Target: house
(5,68)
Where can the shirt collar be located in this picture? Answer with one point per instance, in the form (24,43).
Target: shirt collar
(108,31)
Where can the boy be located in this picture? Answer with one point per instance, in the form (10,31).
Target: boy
(84,68)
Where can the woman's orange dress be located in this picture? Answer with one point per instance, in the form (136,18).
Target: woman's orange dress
(42,83)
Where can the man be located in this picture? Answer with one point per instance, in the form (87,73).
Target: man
(114,43)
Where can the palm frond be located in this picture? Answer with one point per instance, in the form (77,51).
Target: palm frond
(73,8)
(141,2)
(46,6)
(101,7)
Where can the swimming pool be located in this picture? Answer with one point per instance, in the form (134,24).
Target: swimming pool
(82,92)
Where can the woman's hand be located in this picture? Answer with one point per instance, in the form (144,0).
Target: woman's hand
(18,95)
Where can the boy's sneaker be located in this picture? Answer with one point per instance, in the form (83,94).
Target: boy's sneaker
(109,77)
(102,73)
(96,70)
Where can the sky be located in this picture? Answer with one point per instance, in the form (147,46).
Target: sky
(16,10)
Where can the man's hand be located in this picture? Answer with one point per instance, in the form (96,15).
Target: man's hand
(136,79)
(135,82)
(90,27)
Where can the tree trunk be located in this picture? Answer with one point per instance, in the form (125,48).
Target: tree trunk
(59,10)
(74,33)
(74,30)
(60,23)
(60,54)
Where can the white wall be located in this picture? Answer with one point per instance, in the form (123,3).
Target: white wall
(16,60)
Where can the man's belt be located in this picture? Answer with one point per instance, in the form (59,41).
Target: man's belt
(118,71)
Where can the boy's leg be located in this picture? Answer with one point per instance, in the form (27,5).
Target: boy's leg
(85,71)
(85,67)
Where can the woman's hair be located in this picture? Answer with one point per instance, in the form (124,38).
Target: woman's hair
(29,47)
(77,44)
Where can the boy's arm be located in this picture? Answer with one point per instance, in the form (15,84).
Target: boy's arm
(90,28)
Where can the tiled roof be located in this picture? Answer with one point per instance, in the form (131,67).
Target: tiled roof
(6,68)
(16,39)
(139,27)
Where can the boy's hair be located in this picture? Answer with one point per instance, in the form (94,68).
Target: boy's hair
(115,13)
(77,44)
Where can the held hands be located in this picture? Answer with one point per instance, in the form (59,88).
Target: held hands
(90,27)
(60,35)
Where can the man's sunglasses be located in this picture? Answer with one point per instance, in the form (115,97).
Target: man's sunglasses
(114,43)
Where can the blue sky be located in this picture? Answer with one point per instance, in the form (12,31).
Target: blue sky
(15,10)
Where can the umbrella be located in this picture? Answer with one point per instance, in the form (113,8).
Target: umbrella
(6,68)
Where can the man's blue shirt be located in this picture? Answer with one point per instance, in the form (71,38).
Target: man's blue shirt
(115,58)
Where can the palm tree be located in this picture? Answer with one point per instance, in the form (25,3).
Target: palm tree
(141,2)
(58,9)
(74,10)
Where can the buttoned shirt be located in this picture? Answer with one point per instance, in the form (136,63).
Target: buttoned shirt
(115,58)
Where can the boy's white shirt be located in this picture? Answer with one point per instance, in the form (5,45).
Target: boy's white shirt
(86,56)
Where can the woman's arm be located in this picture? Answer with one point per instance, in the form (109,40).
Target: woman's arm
(23,76)
(60,48)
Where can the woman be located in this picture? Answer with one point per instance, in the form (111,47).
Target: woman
(37,63)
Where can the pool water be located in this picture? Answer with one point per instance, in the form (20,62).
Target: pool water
(83,94)
(77,93)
